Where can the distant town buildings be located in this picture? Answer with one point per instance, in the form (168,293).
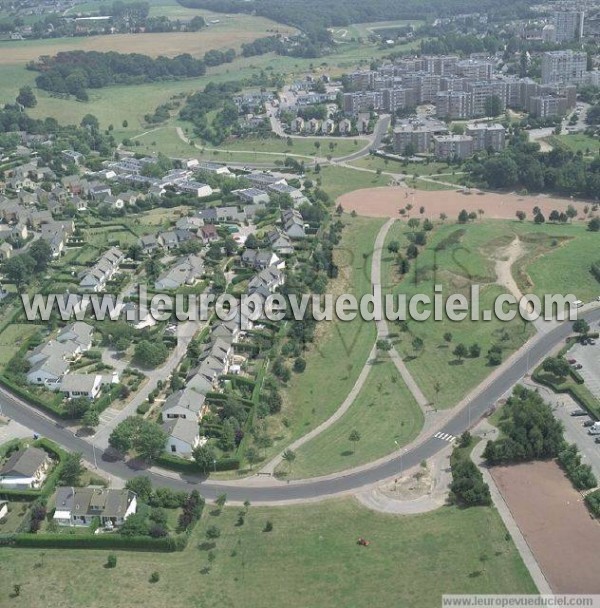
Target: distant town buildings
(564,67)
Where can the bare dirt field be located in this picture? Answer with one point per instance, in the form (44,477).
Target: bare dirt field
(556,524)
(387,201)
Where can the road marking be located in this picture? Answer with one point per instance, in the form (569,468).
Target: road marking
(445,436)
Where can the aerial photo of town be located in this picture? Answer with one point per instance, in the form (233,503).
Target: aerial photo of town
(299,303)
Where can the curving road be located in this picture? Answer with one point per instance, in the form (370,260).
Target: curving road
(273,491)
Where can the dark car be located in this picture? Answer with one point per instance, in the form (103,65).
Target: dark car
(572,361)
(577,366)
(588,423)
(579,413)
(597,440)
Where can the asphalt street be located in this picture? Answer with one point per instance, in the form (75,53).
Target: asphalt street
(275,491)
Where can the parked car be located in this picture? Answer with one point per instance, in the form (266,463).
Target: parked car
(594,431)
(588,423)
(571,361)
(591,341)
(577,366)
(579,413)
(597,440)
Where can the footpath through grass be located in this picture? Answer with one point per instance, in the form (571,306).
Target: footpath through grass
(340,349)
(383,413)
(310,559)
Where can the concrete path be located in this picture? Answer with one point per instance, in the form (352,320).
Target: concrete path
(511,525)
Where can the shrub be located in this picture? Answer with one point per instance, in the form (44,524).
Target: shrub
(111,560)
(268,526)
(154,577)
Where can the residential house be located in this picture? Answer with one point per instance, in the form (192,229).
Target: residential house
(280,242)
(25,469)
(268,279)
(186,271)
(80,506)
(293,224)
(81,385)
(48,372)
(96,278)
(263,180)
(208,233)
(168,239)
(68,351)
(149,244)
(182,436)
(196,188)
(79,332)
(261,259)
(186,403)
(296,195)
(252,195)
(215,168)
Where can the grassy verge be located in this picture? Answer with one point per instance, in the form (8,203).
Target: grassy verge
(309,559)
(340,348)
(384,413)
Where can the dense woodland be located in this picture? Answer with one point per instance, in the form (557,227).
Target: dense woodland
(72,72)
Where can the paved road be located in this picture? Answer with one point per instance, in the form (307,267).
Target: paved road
(381,129)
(277,492)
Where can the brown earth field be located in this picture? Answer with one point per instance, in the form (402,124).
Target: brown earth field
(387,201)
(554,520)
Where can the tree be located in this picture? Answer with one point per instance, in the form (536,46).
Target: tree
(221,500)
(204,457)
(557,366)
(26,97)
(89,121)
(150,442)
(18,269)
(521,215)
(41,253)
(71,469)
(393,246)
(417,344)
(460,352)
(299,365)
(150,354)
(91,419)
(354,439)
(135,525)
(463,217)
(539,218)
(111,561)
(213,532)
(289,456)
(474,350)
(493,106)
(141,486)
(383,345)
(571,212)
(594,224)
(464,440)
(581,327)
(447,337)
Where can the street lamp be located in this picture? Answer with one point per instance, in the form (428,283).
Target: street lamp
(215,464)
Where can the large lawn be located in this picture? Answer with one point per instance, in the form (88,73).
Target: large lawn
(310,559)
(12,338)
(340,349)
(384,413)
(339,180)
(470,259)
(577,142)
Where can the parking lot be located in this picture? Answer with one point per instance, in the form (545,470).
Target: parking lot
(589,358)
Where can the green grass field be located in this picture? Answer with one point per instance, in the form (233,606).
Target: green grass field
(338,180)
(12,338)
(468,260)
(384,413)
(392,166)
(340,349)
(310,559)
(577,142)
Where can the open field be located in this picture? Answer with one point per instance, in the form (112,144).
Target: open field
(338,180)
(469,257)
(374,162)
(555,522)
(231,32)
(577,142)
(386,202)
(340,350)
(309,560)
(384,413)
(12,338)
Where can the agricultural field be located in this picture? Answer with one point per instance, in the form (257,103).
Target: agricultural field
(340,349)
(411,561)
(384,413)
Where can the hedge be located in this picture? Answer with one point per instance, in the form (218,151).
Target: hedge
(95,541)
(189,466)
(592,500)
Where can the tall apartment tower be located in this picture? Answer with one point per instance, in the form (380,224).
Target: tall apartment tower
(564,67)
(568,25)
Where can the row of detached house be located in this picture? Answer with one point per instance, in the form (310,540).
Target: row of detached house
(50,362)
(184,409)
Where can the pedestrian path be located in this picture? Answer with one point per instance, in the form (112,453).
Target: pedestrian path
(445,437)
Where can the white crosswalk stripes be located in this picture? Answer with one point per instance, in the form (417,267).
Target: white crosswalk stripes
(445,437)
